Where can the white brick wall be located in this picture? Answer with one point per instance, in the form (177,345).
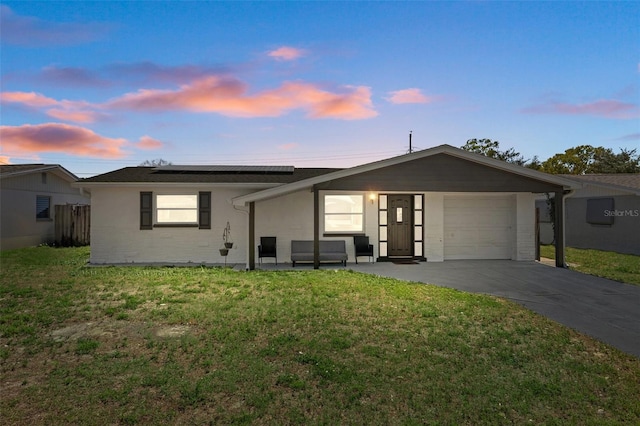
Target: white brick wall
(116,236)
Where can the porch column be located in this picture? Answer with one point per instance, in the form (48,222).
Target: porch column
(559,228)
(252,236)
(316,228)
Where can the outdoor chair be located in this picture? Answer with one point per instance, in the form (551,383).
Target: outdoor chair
(267,248)
(363,248)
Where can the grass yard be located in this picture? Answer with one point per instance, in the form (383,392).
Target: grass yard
(615,266)
(133,345)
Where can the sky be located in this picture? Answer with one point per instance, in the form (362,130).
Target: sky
(96,86)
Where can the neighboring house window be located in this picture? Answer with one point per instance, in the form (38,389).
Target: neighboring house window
(43,207)
(343,213)
(175,210)
(599,211)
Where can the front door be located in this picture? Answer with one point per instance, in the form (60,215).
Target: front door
(400,225)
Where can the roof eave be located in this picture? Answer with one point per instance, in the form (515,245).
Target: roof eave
(81,184)
(64,173)
(632,191)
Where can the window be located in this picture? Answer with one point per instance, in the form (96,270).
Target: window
(43,207)
(599,211)
(177,209)
(343,213)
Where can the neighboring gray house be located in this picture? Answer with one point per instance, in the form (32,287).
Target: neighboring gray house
(437,204)
(604,214)
(28,194)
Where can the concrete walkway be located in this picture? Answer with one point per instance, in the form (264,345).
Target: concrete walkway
(604,309)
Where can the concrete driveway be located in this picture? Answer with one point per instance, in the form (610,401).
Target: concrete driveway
(604,309)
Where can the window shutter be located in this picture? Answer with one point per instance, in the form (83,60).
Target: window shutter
(146,210)
(204,210)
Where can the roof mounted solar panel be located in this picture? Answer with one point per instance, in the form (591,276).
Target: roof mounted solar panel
(226,169)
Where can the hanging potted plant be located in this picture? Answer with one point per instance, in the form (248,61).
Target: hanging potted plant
(226,242)
(226,236)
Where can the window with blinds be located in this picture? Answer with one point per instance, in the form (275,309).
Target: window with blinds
(43,207)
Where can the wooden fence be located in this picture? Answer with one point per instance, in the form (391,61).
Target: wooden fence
(72,224)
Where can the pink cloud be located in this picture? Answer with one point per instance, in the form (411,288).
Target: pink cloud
(288,146)
(216,94)
(286,53)
(74,116)
(605,108)
(30,99)
(34,32)
(409,96)
(230,97)
(4,159)
(147,142)
(74,111)
(56,137)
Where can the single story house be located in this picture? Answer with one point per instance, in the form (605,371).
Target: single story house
(603,214)
(28,195)
(436,204)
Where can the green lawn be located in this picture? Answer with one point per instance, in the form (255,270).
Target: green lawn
(607,264)
(130,345)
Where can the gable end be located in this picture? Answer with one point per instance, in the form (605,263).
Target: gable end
(443,173)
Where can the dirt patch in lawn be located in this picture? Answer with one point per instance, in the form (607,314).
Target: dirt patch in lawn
(74,344)
(115,330)
(173,331)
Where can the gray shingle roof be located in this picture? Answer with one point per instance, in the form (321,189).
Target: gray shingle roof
(626,180)
(216,175)
(8,170)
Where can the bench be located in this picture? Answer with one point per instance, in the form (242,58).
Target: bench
(330,251)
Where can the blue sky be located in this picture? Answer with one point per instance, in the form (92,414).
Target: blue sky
(96,86)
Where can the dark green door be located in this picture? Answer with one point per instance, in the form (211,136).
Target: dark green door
(400,225)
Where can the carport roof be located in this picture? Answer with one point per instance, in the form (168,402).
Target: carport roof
(555,180)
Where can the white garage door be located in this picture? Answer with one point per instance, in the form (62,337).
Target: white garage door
(478,227)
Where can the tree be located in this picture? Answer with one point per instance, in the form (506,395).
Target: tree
(585,159)
(155,163)
(605,161)
(491,149)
